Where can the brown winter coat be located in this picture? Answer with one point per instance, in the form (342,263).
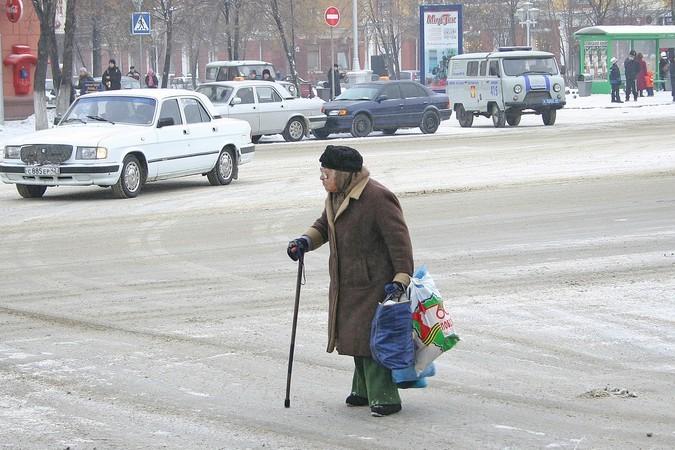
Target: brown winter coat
(369,247)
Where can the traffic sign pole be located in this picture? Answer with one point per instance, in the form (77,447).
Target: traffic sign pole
(332,19)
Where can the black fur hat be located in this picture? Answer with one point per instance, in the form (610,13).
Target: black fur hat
(341,157)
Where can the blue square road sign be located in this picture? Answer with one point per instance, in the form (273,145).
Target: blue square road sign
(140,24)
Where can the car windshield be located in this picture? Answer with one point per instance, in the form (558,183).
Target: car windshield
(359,93)
(217,94)
(523,66)
(129,110)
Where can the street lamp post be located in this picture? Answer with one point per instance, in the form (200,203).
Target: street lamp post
(528,17)
(355,35)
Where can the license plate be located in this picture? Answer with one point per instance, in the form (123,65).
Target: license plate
(551,101)
(42,171)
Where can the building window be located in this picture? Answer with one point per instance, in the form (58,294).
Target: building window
(313,60)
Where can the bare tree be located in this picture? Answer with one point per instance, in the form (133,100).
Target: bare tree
(66,86)
(45,11)
(282,29)
(383,17)
(165,10)
(511,11)
(231,11)
(599,9)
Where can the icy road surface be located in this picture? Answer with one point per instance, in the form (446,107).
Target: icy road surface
(163,321)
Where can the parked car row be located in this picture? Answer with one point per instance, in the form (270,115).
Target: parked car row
(377,106)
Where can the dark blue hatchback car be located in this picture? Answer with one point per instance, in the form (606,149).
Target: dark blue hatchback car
(385,106)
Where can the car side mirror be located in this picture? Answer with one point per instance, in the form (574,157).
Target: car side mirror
(563,69)
(235,101)
(381,98)
(166,122)
(57,119)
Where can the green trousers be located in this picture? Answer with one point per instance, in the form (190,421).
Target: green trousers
(374,382)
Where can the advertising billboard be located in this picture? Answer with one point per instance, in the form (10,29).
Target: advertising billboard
(440,40)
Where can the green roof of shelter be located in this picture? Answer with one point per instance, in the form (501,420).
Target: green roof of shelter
(629,31)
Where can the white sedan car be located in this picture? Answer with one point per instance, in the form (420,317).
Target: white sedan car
(267,106)
(125,138)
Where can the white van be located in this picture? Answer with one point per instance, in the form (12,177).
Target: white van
(237,70)
(505,85)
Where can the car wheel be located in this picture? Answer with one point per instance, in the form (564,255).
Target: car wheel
(498,117)
(390,131)
(464,118)
(224,170)
(131,179)
(362,125)
(548,116)
(430,122)
(295,130)
(321,133)
(513,118)
(255,139)
(31,190)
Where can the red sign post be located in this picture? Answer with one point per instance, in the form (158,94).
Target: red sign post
(332,16)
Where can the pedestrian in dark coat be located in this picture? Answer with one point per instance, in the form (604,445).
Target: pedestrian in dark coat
(370,253)
(112,77)
(334,80)
(267,76)
(85,82)
(671,69)
(133,73)
(615,81)
(630,69)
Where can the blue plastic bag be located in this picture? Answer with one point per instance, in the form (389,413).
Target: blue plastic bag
(391,340)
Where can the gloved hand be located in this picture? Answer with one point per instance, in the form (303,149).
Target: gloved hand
(297,247)
(394,289)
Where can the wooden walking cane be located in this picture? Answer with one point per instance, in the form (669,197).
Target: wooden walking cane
(301,266)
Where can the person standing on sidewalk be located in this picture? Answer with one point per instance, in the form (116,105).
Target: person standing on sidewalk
(615,80)
(112,77)
(671,69)
(631,68)
(370,256)
(664,71)
(334,81)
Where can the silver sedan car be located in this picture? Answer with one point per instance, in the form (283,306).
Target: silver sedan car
(267,106)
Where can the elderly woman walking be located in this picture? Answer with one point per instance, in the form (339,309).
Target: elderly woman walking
(370,255)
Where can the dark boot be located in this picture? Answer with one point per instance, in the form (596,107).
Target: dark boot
(356,400)
(384,410)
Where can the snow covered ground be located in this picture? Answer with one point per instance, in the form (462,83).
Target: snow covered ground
(163,321)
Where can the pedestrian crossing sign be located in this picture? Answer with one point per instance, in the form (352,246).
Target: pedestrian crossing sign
(140,24)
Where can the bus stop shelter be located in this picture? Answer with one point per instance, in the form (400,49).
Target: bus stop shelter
(597,45)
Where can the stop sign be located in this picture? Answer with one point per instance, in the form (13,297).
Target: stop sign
(332,16)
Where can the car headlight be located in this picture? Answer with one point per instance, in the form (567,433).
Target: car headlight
(91,153)
(557,87)
(517,89)
(338,112)
(12,152)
